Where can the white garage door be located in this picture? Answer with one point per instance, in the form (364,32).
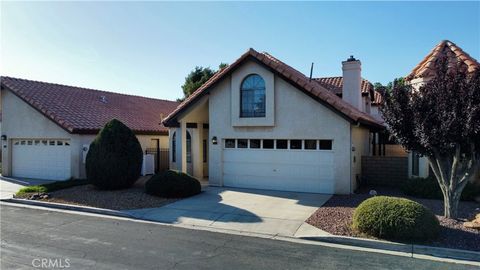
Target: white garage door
(42,159)
(279,169)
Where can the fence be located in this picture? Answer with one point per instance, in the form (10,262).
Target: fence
(161,156)
(384,170)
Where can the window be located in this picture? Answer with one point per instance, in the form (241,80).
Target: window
(59,143)
(252,96)
(325,144)
(254,143)
(310,144)
(189,148)
(267,144)
(229,143)
(242,143)
(295,144)
(174,147)
(205,151)
(282,144)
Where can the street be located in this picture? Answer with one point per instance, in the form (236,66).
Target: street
(65,240)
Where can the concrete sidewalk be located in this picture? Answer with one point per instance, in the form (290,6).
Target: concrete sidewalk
(244,210)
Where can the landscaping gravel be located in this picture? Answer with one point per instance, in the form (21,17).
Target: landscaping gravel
(335,217)
(87,195)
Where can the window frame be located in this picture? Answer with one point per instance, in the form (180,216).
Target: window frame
(252,113)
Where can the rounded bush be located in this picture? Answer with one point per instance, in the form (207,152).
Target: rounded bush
(172,184)
(395,218)
(114,160)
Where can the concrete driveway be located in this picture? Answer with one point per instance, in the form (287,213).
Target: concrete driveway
(246,210)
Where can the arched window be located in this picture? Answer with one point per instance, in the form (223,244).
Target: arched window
(174,147)
(252,96)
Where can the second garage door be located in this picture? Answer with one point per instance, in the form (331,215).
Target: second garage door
(302,170)
(41,159)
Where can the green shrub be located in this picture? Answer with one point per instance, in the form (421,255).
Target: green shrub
(428,188)
(115,157)
(172,184)
(45,188)
(395,218)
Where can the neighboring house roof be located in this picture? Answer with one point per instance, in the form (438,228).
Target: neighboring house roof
(335,85)
(456,57)
(86,111)
(289,74)
(377,98)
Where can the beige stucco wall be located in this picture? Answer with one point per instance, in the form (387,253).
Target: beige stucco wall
(21,121)
(361,147)
(297,116)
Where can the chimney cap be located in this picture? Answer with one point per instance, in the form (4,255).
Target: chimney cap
(351,59)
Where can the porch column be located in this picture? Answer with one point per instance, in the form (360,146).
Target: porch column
(183,156)
(198,158)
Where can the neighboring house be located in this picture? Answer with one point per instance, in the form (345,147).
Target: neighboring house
(425,71)
(259,123)
(47,128)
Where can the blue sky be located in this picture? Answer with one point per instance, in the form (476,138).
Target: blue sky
(148,48)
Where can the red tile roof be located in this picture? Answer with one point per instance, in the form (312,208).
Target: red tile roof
(291,75)
(86,111)
(377,98)
(456,58)
(335,85)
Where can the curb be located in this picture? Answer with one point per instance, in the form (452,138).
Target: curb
(456,254)
(62,206)
(463,256)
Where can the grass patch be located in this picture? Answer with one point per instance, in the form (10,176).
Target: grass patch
(45,188)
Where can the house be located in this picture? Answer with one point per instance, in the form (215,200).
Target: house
(47,128)
(425,71)
(259,123)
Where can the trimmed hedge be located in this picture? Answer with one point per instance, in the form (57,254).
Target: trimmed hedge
(49,187)
(114,160)
(395,218)
(428,188)
(172,184)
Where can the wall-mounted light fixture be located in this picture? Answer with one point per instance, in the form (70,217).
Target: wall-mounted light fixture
(214,140)
(4,137)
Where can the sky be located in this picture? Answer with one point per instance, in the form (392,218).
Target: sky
(147,48)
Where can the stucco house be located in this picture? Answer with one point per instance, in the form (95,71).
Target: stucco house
(259,123)
(425,71)
(47,128)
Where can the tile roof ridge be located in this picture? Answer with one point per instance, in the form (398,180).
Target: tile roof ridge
(85,88)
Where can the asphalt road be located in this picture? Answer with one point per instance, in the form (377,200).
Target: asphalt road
(70,241)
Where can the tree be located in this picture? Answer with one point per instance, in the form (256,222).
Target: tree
(441,121)
(197,77)
(388,88)
(114,159)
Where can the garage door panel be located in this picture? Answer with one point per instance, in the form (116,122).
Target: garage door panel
(305,171)
(45,159)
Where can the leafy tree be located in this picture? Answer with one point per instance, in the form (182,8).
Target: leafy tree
(388,88)
(114,159)
(441,121)
(197,77)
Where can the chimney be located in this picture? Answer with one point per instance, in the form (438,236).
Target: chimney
(352,82)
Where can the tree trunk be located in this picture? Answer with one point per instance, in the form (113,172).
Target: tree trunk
(450,203)
(452,175)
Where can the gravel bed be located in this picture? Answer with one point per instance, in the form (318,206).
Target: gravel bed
(335,217)
(87,195)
